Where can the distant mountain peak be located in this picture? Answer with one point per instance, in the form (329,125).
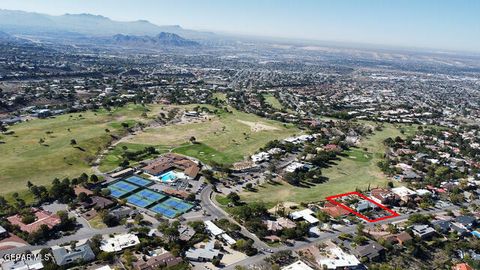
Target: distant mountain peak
(161,39)
(86,15)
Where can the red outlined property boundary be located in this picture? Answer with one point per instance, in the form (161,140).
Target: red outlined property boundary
(333,198)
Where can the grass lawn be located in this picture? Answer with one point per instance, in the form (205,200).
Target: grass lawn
(273,101)
(114,157)
(221,96)
(223,200)
(97,223)
(25,158)
(225,138)
(358,169)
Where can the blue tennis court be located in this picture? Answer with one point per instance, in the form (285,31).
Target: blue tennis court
(122,185)
(138,181)
(178,205)
(139,201)
(117,193)
(150,195)
(165,211)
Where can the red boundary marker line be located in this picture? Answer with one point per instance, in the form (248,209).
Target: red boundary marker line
(333,198)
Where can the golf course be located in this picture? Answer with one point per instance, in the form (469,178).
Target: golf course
(40,150)
(226,137)
(358,169)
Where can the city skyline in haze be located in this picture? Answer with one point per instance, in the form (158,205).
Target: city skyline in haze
(447,24)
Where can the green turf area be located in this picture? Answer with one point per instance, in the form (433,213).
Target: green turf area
(223,200)
(225,138)
(358,169)
(41,149)
(220,96)
(115,156)
(97,223)
(273,101)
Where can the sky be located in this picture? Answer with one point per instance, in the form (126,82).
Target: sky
(440,24)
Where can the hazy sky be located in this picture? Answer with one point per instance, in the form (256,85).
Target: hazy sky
(448,24)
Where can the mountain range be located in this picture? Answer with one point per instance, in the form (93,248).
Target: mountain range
(30,23)
(163,39)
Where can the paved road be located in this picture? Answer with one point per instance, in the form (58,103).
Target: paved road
(211,207)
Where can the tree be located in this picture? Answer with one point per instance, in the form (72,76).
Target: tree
(73,142)
(193,140)
(233,197)
(94,178)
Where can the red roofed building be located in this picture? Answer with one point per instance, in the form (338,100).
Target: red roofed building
(384,196)
(42,217)
(334,210)
(462,266)
(332,148)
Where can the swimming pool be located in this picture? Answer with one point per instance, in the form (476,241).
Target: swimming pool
(168,176)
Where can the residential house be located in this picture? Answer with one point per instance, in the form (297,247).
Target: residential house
(279,224)
(372,251)
(22,265)
(305,214)
(423,231)
(218,233)
(122,212)
(404,193)
(203,253)
(403,238)
(3,233)
(119,242)
(334,210)
(462,266)
(442,226)
(66,255)
(384,196)
(298,265)
(468,222)
(186,232)
(97,201)
(156,262)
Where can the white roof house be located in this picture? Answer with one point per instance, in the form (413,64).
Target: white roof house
(2,230)
(212,228)
(119,242)
(403,192)
(423,192)
(306,214)
(228,239)
(298,265)
(339,259)
(217,232)
(205,253)
(292,167)
(23,265)
(260,157)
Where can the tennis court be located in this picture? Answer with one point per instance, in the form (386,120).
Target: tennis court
(122,185)
(138,181)
(150,195)
(178,204)
(139,201)
(117,193)
(164,211)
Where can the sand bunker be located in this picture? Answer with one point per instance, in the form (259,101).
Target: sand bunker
(257,126)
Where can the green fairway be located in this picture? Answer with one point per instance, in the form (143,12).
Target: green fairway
(273,101)
(225,138)
(220,96)
(358,169)
(41,149)
(115,156)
